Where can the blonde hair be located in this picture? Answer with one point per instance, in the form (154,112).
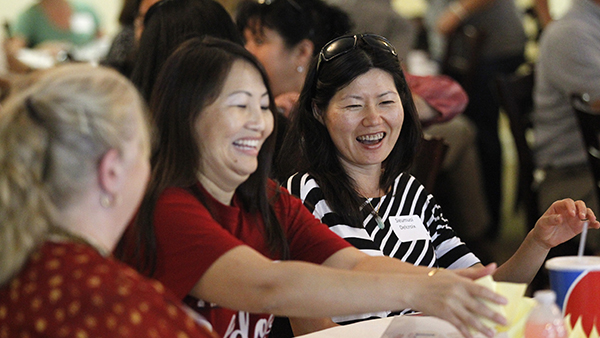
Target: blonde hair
(52,137)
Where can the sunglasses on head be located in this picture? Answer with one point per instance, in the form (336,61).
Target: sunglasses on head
(344,44)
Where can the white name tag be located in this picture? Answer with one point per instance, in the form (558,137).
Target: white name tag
(408,228)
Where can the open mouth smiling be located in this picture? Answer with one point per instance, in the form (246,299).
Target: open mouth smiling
(371,138)
(247,144)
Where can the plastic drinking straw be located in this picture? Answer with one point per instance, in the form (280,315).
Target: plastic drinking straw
(582,239)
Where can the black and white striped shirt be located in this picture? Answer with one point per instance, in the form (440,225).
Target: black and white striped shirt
(415,229)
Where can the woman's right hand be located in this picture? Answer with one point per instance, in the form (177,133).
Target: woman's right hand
(455,298)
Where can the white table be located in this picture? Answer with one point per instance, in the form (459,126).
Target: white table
(393,327)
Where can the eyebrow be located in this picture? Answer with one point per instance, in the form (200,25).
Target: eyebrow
(240,92)
(388,92)
(358,97)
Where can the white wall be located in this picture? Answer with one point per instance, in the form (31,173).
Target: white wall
(108,10)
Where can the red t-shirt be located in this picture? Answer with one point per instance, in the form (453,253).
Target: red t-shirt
(189,240)
(67,289)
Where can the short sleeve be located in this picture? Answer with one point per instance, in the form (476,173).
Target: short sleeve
(309,239)
(189,240)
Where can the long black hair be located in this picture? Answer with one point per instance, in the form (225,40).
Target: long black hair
(192,79)
(308,147)
(167,24)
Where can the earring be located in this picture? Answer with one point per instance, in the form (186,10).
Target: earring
(300,69)
(106,201)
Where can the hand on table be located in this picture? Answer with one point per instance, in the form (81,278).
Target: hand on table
(454,297)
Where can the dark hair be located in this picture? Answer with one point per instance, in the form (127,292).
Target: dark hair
(192,79)
(129,12)
(167,24)
(308,147)
(295,20)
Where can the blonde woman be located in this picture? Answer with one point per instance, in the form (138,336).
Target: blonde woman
(73,166)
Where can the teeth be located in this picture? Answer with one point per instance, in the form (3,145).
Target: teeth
(371,138)
(247,143)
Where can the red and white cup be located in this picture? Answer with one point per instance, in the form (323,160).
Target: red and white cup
(576,281)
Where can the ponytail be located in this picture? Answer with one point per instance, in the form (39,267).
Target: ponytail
(52,137)
(25,208)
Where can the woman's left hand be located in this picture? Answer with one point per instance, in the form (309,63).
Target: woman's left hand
(562,221)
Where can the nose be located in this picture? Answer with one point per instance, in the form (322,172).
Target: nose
(258,120)
(372,116)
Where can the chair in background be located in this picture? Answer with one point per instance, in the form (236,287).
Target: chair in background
(462,55)
(515,93)
(588,115)
(429,159)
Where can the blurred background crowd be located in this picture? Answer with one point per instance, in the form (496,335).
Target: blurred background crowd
(481,202)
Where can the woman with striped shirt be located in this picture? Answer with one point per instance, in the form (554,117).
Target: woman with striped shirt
(352,138)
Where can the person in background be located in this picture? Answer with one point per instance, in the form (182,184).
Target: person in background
(285,35)
(74,166)
(138,23)
(352,137)
(542,11)
(50,21)
(237,247)
(501,51)
(121,54)
(169,23)
(55,26)
(547,13)
(380,17)
(559,151)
